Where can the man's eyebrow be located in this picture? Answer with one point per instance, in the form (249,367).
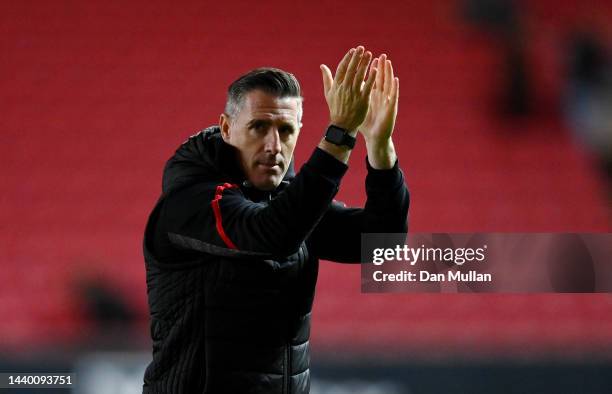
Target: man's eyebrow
(288,124)
(255,121)
(266,122)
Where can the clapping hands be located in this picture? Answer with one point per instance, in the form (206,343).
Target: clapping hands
(380,120)
(346,93)
(365,97)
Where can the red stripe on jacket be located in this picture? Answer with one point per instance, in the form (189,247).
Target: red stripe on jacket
(217,211)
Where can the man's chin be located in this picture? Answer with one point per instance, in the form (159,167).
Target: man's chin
(268,183)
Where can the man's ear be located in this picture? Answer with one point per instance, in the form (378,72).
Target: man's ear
(224,124)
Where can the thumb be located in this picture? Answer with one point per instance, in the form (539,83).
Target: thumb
(327,78)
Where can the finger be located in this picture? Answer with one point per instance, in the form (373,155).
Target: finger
(327,78)
(369,83)
(373,66)
(380,76)
(343,65)
(395,93)
(388,78)
(361,70)
(352,67)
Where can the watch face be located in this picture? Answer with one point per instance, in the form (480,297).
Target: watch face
(334,135)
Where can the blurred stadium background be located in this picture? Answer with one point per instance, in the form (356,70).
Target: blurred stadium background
(505,124)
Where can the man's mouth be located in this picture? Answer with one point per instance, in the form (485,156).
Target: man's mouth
(271,165)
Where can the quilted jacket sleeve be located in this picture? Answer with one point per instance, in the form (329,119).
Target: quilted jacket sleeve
(338,235)
(219,214)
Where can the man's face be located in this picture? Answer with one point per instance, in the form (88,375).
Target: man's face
(265,131)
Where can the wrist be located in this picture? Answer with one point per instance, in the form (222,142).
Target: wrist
(378,143)
(341,153)
(350,129)
(381,154)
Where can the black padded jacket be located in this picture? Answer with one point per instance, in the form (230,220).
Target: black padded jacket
(231,270)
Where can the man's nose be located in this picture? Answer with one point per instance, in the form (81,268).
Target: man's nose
(272,141)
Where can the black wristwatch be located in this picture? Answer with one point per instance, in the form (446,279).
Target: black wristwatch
(338,136)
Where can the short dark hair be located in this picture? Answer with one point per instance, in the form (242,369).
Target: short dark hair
(273,81)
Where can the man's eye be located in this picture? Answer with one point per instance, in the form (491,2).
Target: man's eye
(286,130)
(258,126)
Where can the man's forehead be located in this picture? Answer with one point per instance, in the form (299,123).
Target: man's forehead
(259,103)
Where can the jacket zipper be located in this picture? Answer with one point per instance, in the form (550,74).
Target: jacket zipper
(288,368)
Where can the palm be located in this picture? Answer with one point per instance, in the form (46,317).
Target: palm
(346,94)
(380,119)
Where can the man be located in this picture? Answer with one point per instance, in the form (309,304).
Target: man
(232,247)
